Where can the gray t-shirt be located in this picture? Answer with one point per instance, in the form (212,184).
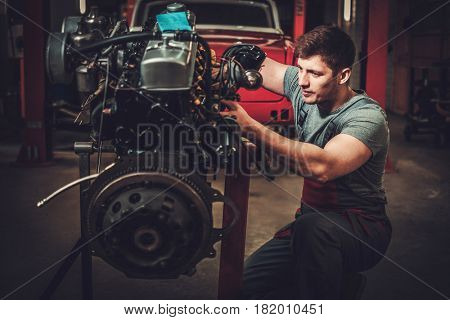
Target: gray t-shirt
(360,117)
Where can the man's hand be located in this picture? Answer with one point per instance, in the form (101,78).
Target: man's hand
(237,112)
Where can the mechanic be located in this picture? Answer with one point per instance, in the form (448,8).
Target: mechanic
(341,226)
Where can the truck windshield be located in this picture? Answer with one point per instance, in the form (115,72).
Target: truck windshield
(239,13)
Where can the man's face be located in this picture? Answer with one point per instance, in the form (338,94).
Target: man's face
(316,80)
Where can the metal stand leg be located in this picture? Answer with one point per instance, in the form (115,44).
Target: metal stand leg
(84,151)
(60,274)
(233,245)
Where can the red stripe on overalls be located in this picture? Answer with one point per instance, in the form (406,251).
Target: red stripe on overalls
(320,196)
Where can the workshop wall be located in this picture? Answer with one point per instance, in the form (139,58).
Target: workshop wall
(425,47)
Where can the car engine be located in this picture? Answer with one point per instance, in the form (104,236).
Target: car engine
(151,96)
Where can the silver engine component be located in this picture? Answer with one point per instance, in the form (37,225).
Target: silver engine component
(168,65)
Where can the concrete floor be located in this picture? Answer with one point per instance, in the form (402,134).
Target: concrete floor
(418,260)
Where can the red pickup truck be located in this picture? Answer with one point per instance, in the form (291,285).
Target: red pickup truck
(226,22)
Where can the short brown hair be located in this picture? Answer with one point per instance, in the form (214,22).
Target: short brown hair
(331,43)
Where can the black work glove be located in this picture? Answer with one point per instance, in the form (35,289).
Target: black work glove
(249,56)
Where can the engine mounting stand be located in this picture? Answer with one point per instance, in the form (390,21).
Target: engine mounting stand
(84,151)
(232,247)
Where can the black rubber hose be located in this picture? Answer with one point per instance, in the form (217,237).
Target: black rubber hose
(117,40)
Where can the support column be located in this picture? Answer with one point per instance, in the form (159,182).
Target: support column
(377,55)
(237,189)
(377,50)
(34,146)
(299,18)
(130,8)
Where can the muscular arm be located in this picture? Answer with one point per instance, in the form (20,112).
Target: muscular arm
(341,155)
(273,75)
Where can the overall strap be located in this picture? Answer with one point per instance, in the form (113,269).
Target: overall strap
(300,117)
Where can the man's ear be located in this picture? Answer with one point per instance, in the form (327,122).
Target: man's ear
(344,75)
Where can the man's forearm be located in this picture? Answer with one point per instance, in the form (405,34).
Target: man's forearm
(308,159)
